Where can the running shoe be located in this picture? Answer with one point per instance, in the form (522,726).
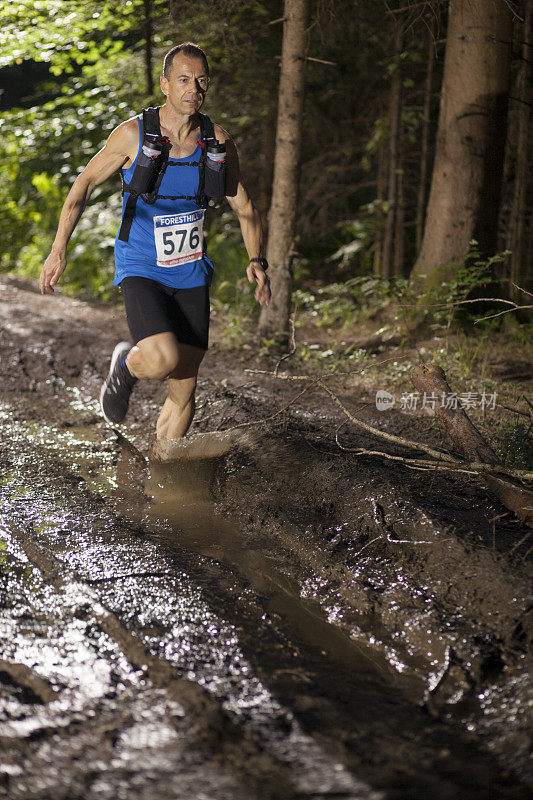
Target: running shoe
(117,387)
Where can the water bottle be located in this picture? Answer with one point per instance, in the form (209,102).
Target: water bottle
(149,163)
(152,149)
(215,169)
(216,151)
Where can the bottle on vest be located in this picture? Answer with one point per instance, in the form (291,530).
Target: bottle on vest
(149,161)
(215,169)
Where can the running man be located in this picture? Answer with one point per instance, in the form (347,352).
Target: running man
(167,304)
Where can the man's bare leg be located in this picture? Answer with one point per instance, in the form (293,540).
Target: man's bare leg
(154,357)
(178,409)
(161,356)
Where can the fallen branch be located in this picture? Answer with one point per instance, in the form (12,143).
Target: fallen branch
(390,437)
(373,342)
(468,442)
(520,289)
(35,688)
(470,468)
(293,344)
(449,304)
(505,311)
(465,436)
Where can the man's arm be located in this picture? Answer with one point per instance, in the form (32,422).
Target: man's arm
(118,149)
(249,218)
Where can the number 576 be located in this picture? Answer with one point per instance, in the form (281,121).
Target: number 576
(170,242)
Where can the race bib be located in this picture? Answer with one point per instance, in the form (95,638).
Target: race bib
(179,238)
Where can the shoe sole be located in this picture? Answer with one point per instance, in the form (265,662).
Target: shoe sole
(119,350)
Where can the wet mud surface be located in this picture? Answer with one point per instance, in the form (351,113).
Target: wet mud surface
(285,620)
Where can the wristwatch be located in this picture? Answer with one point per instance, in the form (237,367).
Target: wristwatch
(261,261)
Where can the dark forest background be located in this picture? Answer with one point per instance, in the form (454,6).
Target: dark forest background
(71,71)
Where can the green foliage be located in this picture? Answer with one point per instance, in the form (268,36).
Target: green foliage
(467,357)
(67,33)
(341,305)
(357,254)
(473,273)
(95,55)
(45,146)
(230,285)
(236,328)
(515,444)
(57,140)
(232,296)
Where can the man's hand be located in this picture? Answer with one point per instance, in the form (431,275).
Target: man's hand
(262,291)
(53,268)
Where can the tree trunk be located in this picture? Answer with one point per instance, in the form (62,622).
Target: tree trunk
(266,162)
(468,442)
(148,32)
(467,173)
(516,241)
(274,319)
(381,194)
(424,144)
(399,221)
(395,118)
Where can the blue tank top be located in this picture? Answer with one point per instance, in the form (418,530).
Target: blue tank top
(139,255)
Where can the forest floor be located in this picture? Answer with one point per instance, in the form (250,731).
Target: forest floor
(287,620)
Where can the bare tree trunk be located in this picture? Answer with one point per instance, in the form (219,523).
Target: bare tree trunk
(467,173)
(424,144)
(381,193)
(266,159)
(274,319)
(148,33)
(395,117)
(525,97)
(399,222)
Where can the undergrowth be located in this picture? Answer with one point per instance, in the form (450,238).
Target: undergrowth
(333,324)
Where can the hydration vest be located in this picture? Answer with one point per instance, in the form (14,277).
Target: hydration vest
(149,171)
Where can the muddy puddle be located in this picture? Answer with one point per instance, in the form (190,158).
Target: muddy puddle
(284,621)
(310,704)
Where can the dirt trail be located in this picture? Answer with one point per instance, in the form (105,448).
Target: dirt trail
(287,620)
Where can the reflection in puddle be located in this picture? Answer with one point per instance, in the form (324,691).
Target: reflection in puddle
(176,499)
(169,613)
(181,495)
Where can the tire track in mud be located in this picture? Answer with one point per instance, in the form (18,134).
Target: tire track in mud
(107,729)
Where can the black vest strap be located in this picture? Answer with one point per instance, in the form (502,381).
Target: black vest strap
(150,124)
(127,218)
(176,197)
(207,131)
(150,121)
(183,164)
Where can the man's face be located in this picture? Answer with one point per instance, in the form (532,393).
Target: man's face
(186,85)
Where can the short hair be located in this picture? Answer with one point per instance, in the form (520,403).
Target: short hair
(188,49)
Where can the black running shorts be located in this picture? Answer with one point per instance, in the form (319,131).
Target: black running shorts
(152,307)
